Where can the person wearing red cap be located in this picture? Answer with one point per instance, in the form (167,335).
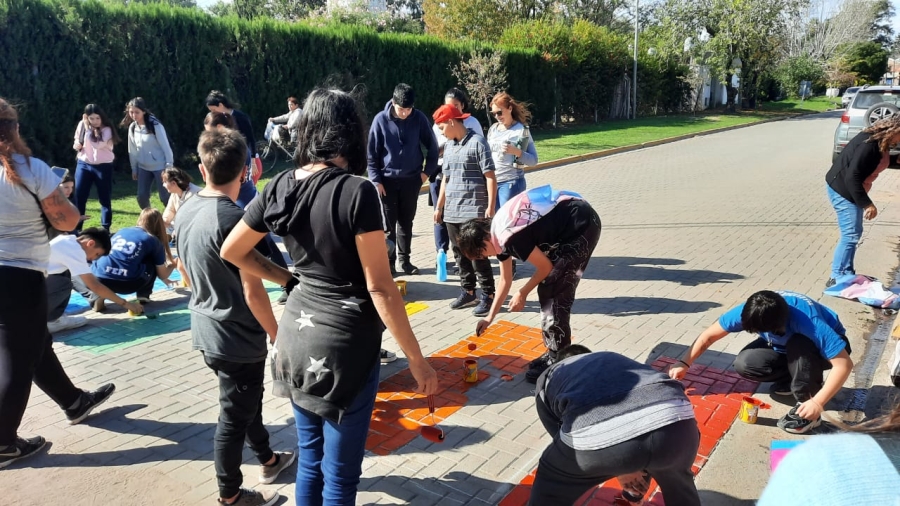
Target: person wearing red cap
(468,190)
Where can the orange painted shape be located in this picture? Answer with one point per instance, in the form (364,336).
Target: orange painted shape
(715,412)
(505,348)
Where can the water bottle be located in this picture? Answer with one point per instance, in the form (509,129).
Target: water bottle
(441,262)
(523,141)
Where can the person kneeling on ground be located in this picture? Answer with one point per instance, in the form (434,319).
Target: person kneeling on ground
(468,190)
(798,340)
(611,416)
(138,256)
(554,231)
(70,256)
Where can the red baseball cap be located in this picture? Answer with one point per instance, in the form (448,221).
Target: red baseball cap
(447,112)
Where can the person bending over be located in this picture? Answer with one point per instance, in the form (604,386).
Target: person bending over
(610,416)
(554,231)
(70,257)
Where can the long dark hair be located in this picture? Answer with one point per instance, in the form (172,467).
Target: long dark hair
(150,120)
(331,126)
(458,94)
(10,141)
(97,135)
(216,97)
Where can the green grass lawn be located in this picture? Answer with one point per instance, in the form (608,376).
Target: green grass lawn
(552,144)
(814,104)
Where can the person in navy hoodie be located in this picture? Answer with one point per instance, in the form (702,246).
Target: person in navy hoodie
(399,168)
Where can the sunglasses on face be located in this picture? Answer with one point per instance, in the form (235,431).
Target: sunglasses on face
(497,113)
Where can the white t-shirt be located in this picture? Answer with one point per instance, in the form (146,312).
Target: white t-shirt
(66,254)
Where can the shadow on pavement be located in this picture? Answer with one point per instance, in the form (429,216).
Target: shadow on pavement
(631,306)
(454,484)
(652,269)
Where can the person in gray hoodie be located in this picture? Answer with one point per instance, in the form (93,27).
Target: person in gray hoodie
(148,150)
(609,417)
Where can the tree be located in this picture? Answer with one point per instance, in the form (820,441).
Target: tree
(599,12)
(792,71)
(749,31)
(819,28)
(882,28)
(286,10)
(460,19)
(868,60)
(482,75)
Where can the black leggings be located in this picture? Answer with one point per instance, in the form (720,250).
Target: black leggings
(26,350)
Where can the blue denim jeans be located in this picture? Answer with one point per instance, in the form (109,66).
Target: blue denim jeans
(101,175)
(441,237)
(330,454)
(145,181)
(850,222)
(509,189)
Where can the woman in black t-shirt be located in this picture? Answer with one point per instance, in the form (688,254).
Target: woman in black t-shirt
(329,338)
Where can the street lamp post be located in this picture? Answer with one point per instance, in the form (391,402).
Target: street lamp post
(634,79)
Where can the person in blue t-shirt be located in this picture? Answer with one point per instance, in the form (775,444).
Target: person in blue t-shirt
(138,256)
(798,340)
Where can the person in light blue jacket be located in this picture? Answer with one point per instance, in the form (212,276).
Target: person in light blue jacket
(856,467)
(148,150)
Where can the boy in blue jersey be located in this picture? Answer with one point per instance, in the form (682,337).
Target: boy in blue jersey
(798,340)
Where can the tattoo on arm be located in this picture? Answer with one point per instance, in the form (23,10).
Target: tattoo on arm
(264,262)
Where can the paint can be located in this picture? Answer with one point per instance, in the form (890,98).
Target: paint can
(471,371)
(749,409)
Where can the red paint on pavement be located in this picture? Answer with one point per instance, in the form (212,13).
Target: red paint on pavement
(400,413)
(716,397)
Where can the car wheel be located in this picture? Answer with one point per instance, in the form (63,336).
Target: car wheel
(879,111)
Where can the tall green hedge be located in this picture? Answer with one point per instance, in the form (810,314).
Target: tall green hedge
(62,54)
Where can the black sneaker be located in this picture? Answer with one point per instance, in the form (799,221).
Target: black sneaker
(89,401)
(540,361)
(782,387)
(796,424)
(465,299)
(535,371)
(21,449)
(284,297)
(484,305)
(387,357)
(831,282)
(409,269)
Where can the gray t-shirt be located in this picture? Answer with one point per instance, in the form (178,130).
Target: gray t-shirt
(222,325)
(465,163)
(23,235)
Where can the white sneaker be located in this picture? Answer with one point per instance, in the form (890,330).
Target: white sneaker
(66,322)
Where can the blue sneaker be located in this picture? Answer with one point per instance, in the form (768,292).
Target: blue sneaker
(484,305)
(465,299)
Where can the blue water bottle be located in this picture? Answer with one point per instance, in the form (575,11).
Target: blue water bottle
(441,262)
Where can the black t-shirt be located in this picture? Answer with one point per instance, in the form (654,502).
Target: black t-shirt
(563,224)
(246,129)
(319,218)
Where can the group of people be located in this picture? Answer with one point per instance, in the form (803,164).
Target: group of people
(608,415)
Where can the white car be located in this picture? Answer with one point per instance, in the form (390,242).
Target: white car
(848,95)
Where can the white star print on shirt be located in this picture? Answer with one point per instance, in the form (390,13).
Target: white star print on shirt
(318,368)
(305,320)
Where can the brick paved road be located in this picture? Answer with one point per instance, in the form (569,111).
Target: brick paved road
(690,229)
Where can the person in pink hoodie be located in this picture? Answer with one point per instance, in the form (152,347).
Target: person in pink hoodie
(94,140)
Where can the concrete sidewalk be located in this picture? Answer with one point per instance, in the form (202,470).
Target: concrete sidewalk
(690,229)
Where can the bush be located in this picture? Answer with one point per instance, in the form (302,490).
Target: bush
(792,71)
(107,54)
(589,61)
